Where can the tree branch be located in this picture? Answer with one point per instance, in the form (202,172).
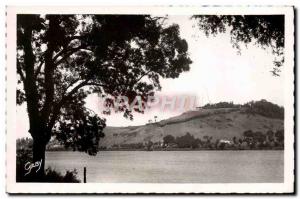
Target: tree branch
(139,79)
(72,83)
(66,49)
(67,97)
(68,53)
(59,53)
(38,69)
(63,100)
(95,84)
(75,37)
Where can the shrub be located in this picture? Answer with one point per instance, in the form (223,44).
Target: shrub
(24,156)
(54,176)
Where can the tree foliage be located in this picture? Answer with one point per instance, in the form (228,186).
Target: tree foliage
(264,108)
(61,59)
(261,107)
(264,30)
(185,141)
(169,139)
(221,105)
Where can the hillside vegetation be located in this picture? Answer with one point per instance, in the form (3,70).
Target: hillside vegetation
(214,122)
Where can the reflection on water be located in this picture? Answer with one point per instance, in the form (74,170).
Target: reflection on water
(173,166)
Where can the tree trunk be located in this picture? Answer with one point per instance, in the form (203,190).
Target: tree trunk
(38,149)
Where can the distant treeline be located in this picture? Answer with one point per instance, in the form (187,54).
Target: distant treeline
(262,107)
(26,143)
(249,141)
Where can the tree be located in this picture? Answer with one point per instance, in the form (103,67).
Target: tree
(248,137)
(264,30)
(234,139)
(248,134)
(259,138)
(280,136)
(240,141)
(207,141)
(61,59)
(187,141)
(270,135)
(169,139)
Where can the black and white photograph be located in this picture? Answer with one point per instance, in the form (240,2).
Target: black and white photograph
(150,99)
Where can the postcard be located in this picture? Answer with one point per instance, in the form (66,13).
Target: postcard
(157,99)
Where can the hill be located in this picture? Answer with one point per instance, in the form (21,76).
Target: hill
(217,123)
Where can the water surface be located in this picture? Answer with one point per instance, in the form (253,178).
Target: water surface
(173,166)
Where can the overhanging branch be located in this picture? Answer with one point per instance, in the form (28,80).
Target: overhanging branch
(67,97)
(68,53)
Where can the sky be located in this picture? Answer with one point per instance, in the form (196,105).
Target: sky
(218,73)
